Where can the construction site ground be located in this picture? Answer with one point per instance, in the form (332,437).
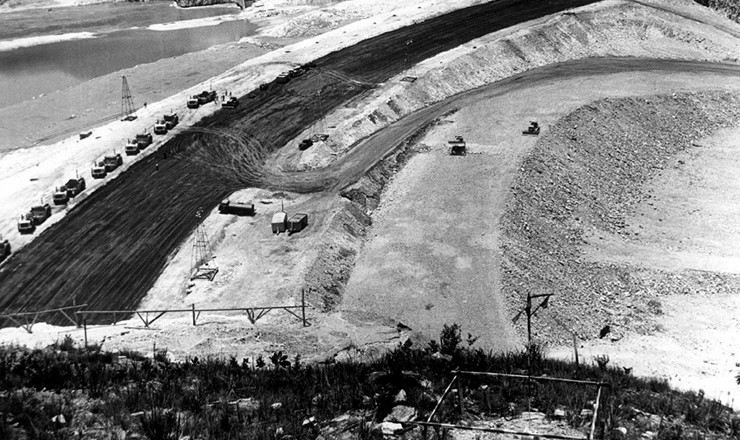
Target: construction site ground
(429,253)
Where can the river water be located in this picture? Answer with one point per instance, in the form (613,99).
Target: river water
(116,36)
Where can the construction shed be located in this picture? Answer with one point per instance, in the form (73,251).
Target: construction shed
(236,208)
(279,222)
(297,222)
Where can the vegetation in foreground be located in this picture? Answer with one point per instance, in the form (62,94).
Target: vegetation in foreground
(730,8)
(67,392)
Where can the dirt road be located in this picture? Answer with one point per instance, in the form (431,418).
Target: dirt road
(110,250)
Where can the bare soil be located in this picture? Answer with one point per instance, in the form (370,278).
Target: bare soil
(133,228)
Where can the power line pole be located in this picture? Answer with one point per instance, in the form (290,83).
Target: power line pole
(127,102)
(202,263)
(528,310)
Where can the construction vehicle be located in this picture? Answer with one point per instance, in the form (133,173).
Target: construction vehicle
(132,147)
(458,147)
(283,78)
(98,170)
(160,127)
(171,120)
(113,161)
(25,224)
(533,129)
(298,71)
(193,102)
(297,223)
(40,213)
(143,140)
(236,208)
(75,186)
(319,137)
(205,97)
(60,196)
(305,144)
(4,249)
(231,103)
(85,134)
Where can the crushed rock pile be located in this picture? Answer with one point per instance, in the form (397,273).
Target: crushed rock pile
(587,173)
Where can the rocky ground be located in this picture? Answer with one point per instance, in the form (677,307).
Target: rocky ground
(345,226)
(584,180)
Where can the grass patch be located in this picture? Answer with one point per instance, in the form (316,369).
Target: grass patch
(225,398)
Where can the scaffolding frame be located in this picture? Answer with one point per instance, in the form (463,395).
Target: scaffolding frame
(456,380)
(202,263)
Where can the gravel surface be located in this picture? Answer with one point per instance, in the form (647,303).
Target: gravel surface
(583,180)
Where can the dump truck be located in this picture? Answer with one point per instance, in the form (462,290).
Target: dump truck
(132,147)
(205,97)
(160,127)
(236,208)
(4,249)
(533,129)
(193,102)
(297,223)
(60,196)
(143,140)
(458,147)
(75,186)
(294,73)
(231,103)
(305,144)
(171,120)
(98,170)
(25,224)
(113,161)
(283,78)
(40,213)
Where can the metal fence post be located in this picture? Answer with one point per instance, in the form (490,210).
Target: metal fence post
(303,305)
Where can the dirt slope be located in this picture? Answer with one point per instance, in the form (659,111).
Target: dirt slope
(586,180)
(139,218)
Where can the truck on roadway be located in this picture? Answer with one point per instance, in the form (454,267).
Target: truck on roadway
(160,127)
(98,170)
(132,147)
(205,97)
(4,249)
(60,196)
(171,120)
(75,186)
(112,161)
(231,103)
(25,224)
(39,213)
(143,140)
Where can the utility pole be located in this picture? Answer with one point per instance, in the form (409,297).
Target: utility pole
(530,313)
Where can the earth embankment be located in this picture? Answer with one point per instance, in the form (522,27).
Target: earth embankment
(140,217)
(584,184)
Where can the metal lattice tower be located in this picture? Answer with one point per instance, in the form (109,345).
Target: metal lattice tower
(127,103)
(202,263)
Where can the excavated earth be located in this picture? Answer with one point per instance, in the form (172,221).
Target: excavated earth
(577,224)
(110,249)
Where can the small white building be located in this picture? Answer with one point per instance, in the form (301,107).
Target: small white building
(279,222)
